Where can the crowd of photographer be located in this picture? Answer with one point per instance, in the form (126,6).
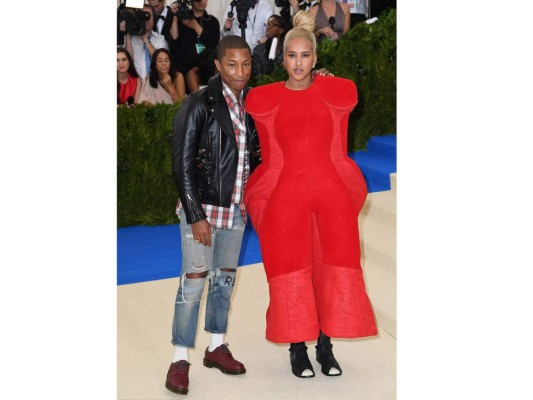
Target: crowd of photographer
(189,37)
(172,48)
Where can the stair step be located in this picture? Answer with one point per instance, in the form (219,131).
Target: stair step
(380,207)
(384,146)
(378,243)
(374,187)
(381,288)
(377,227)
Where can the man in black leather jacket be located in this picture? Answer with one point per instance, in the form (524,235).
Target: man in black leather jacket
(204,155)
(214,149)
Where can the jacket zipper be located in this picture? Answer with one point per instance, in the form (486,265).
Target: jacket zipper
(210,147)
(219,157)
(190,202)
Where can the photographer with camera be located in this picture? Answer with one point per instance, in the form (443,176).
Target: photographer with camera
(194,38)
(252,13)
(121,26)
(141,44)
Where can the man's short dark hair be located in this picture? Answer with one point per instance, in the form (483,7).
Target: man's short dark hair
(231,42)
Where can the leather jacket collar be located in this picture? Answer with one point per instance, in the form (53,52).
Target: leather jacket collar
(214,90)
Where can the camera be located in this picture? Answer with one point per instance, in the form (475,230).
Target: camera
(184,9)
(135,20)
(242,7)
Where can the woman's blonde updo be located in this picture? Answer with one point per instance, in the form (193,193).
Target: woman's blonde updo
(304,27)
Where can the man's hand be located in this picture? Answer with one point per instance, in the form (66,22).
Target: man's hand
(228,23)
(201,232)
(321,72)
(191,23)
(165,79)
(146,38)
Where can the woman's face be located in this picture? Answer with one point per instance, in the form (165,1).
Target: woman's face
(162,63)
(299,58)
(122,62)
(273,29)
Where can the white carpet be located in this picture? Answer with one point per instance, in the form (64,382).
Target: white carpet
(145,313)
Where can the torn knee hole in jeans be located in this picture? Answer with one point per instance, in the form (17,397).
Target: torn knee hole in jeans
(191,287)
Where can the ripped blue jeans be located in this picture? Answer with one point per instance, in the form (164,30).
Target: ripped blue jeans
(213,262)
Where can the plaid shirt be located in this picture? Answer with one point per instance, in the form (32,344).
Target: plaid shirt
(222,217)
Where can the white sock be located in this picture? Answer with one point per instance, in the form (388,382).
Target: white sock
(181,353)
(216,340)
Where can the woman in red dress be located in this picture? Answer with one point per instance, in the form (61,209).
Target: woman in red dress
(304,200)
(128,81)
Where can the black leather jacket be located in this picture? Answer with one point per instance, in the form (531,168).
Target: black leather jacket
(204,150)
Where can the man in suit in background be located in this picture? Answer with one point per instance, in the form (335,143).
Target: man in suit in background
(163,18)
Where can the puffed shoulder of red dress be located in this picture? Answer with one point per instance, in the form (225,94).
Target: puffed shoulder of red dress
(338,92)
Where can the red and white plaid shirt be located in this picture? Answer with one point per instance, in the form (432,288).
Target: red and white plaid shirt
(222,217)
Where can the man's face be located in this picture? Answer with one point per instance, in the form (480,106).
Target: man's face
(149,24)
(159,5)
(199,5)
(235,69)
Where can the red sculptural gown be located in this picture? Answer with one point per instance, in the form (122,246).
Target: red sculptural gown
(304,200)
